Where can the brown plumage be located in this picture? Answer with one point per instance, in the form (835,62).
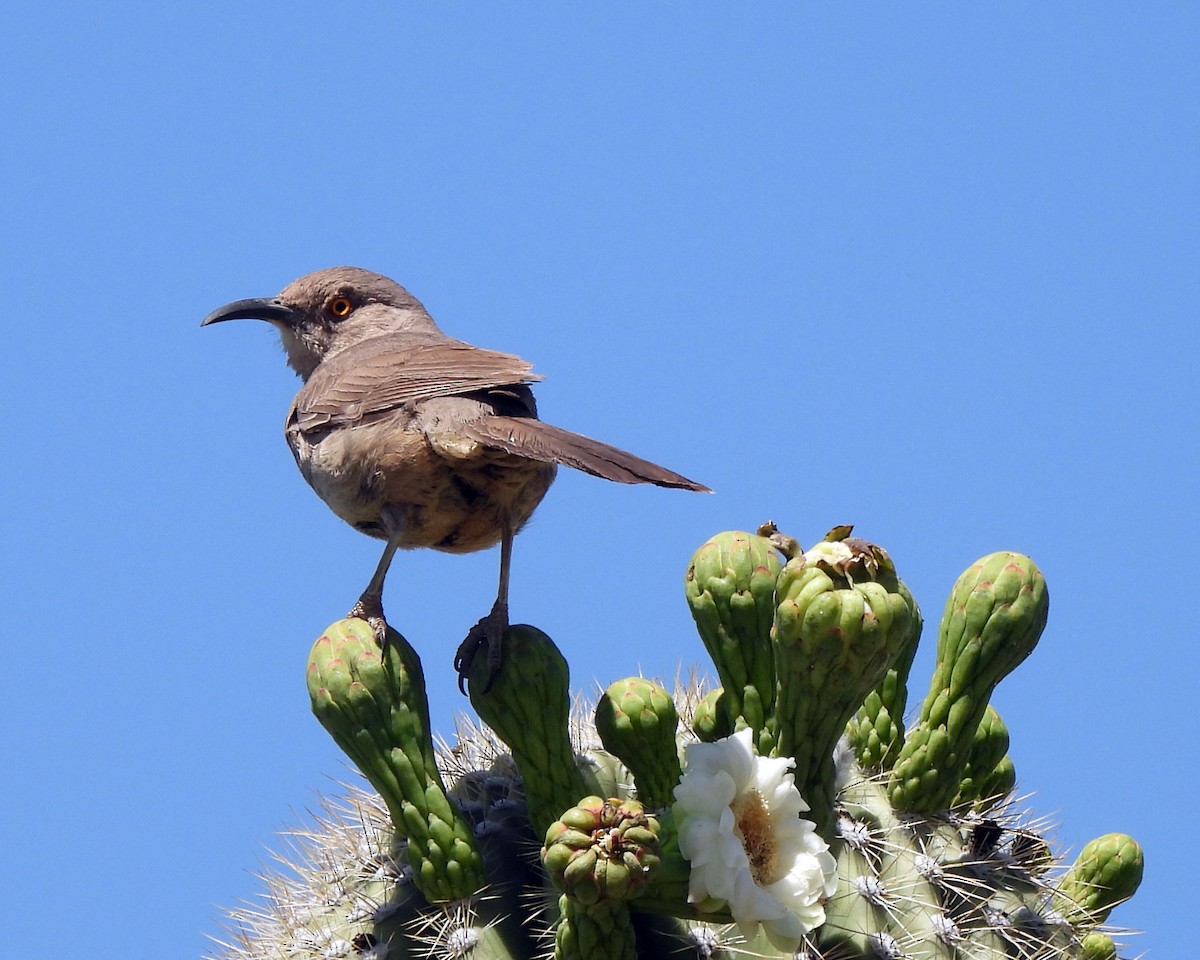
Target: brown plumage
(416,438)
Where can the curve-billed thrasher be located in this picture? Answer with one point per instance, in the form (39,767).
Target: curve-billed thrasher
(418,439)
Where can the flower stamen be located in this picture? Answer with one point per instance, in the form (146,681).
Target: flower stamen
(752,825)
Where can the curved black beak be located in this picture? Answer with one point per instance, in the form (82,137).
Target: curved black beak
(256,308)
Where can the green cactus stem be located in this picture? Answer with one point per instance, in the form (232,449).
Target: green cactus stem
(948,887)
(841,619)
(378,714)
(730,588)
(637,722)
(601,932)
(992,621)
(528,706)
(989,774)
(885,898)
(876,731)
(1106,873)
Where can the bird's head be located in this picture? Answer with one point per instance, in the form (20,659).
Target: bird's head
(329,310)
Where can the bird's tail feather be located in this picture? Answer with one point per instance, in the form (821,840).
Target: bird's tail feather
(541,441)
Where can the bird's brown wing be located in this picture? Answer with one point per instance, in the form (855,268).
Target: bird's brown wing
(537,440)
(386,372)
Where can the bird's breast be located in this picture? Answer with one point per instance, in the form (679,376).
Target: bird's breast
(389,475)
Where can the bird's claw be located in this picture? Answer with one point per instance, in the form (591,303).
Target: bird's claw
(370,608)
(487,632)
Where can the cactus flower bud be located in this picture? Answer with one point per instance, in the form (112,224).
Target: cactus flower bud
(1097,946)
(710,721)
(528,706)
(637,722)
(602,850)
(1107,872)
(730,587)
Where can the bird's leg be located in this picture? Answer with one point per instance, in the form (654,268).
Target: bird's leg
(370,605)
(489,630)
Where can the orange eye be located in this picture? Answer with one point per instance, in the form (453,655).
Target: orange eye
(339,307)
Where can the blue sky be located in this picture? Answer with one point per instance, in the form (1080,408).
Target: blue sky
(930,271)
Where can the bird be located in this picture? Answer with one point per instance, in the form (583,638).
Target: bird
(418,439)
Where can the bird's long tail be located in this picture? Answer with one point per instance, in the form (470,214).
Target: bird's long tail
(537,440)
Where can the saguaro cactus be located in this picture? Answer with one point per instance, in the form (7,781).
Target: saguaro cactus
(787,813)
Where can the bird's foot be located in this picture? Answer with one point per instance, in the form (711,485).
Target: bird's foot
(487,632)
(370,608)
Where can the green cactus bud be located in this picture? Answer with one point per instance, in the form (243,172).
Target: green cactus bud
(528,706)
(1106,873)
(602,850)
(1097,946)
(711,720)
(841,618)
(988,775)
(604,775)
(876,731)
(992,621)
(730,587)
(377,712)
(994,788)
(602,932)
(637,721)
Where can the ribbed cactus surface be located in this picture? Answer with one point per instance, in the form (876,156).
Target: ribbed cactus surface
(787,812)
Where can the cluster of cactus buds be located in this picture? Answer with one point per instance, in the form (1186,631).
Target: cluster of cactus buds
(602,851)
(787,812)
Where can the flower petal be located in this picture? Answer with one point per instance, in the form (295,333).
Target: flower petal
(716,778)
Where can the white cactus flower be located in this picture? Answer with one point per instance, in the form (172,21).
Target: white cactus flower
(740,828)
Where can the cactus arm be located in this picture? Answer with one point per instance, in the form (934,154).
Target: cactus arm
(730,587)
(876,731)
(528,706)
(992,621)
(840,620)
(378,713)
